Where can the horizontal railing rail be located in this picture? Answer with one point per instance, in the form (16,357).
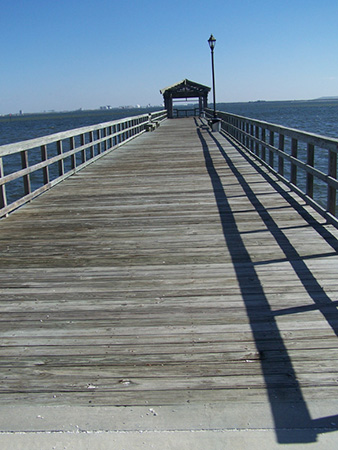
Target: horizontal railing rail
(306,162)
(186,112)
(29,168)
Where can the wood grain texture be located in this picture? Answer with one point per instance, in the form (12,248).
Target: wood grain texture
(169,271)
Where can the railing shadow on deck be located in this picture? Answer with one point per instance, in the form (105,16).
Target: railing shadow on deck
(287,403)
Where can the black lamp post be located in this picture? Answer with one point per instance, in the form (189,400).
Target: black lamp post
(212,43)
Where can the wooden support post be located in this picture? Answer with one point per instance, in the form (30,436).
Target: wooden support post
(117,137)
(257,136)
(331,191)
(170,107)
(263,148)
(83,152)
(272,143)
(91,139)
(26,178)
(294,152)
(103,136)
(309,177)
(99,146)
(3,197)
(44,157)
(71,147)
(280,158)
(61,161)
(110,132)
(247,129)
(251,140)
(242,129)
(200,105)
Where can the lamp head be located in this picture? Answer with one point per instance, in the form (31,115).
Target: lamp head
(212,42)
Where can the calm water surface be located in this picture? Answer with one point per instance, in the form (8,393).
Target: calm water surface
(319,117)
(30,126)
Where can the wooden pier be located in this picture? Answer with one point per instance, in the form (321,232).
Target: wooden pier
(172,271)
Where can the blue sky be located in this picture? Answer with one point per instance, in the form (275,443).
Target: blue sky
(69,54)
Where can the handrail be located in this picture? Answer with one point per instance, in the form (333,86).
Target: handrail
(306,162)
(185,112)
(48,160)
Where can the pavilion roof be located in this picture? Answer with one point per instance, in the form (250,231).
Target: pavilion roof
(185,88)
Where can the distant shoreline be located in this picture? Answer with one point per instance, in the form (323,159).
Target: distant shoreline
(82,112)
(135,111)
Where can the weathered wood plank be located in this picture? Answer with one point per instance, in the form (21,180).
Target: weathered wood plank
(166,273)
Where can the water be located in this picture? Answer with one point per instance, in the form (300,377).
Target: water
(320,117)
(30,126)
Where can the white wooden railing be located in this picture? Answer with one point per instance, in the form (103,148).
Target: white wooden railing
(29,168)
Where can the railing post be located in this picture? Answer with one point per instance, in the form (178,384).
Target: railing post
(83,152)
(99,146)
(257,136)
(124,134)
(247,139)
(251,140)
(294,152)
(121,135)
(91,139)
(110,131)
(271,153)
(60,162)
(3,197)
(263,147)
(309,177)
(104,135)
(118,137)
(26,178)
(280,159)
(71,147)
(44,157)
(331,191)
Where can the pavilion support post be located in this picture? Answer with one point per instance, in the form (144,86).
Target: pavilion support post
(201,105)
(170,110)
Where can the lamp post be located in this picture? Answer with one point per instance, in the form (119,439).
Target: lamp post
(212,43)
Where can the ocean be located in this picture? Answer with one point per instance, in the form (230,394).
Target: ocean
(16,128)
(317,116)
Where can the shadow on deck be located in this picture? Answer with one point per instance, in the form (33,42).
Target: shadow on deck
(296,413)
(174,271)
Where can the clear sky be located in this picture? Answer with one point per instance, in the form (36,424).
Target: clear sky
(70,54)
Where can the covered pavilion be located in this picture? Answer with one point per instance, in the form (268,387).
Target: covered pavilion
(183,90)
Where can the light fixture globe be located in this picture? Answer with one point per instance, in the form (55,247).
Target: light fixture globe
(212,42)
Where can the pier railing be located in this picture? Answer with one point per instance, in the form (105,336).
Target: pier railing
(29,168)
(186,112)
(306,162)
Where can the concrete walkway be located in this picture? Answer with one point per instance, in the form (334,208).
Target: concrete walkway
(183,427)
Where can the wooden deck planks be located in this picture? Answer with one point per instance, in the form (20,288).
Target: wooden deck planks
(167,272)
